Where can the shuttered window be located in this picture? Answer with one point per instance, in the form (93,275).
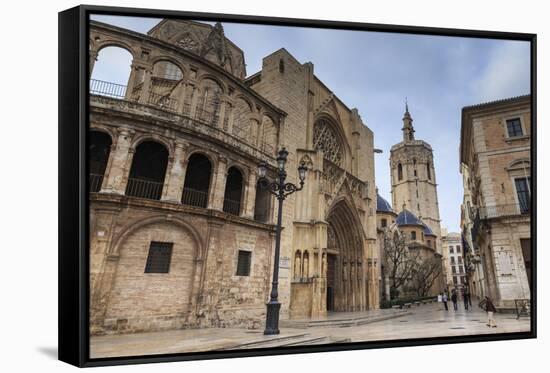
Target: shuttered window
(243,263)
(158,260)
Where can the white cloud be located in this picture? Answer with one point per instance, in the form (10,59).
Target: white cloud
(506,73)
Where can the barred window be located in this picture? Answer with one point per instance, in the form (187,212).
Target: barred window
(243,263)
(514,127)
(158,260)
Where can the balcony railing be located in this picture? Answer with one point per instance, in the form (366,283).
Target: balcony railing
(144,188)
(193,197)
(102,88)
(490,212)
(95,182)
(231,207)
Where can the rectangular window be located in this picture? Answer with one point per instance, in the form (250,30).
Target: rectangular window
(460,260)
(451,250)
(461,269)
(458,248)
(452,260)
(384,223)
(455,280)
(454,269)
(158,259)
(524,195)
(243,263)
(526,250)
(413,235)
(514,127)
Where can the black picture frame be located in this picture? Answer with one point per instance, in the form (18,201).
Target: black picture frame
(73,190)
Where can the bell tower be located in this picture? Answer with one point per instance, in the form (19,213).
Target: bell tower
(413,177)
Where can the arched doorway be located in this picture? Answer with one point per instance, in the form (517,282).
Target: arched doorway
(346,288)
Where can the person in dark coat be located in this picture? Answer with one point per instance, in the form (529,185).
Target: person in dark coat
(466,295)
(454,298)
(491,309)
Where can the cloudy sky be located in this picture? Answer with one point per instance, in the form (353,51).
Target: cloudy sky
(374,72)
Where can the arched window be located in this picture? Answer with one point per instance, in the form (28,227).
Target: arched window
(399,172)
(262,205)
(111,72)
(197,181)
(209,103)
(429,170)
(305,265)
(99,148)
(298,264)
(167,70)
(326,139)
(148,170)
(413,235)
(233,191)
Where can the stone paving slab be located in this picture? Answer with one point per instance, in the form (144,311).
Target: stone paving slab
(430,320)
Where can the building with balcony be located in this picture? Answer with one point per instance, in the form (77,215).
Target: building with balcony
(453,259)
(495,156)
(180,236)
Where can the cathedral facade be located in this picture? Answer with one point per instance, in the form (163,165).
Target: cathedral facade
(180,236)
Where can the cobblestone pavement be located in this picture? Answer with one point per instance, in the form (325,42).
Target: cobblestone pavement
(430,320)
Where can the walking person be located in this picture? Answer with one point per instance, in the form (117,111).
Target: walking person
(454,298)
(491,309)
(466,295)
(444,299)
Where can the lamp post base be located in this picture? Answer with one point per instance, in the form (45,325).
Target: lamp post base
(272,318)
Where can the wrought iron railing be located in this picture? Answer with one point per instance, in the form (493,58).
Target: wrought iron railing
(193,197)
(231,206)
(489,212)
(142,188)
(102,88)
(95,182)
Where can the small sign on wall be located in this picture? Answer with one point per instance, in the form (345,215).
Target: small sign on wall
(505,263)
(284,262)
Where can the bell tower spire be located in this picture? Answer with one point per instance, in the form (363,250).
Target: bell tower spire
(408,129)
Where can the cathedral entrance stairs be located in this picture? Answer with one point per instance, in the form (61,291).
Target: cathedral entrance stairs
(345,319)
(288,341)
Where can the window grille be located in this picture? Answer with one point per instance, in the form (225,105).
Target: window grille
(158,260)
(243,263)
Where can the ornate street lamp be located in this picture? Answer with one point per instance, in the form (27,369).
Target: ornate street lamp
(281,190)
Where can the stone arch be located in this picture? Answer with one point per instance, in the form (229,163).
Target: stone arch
(198,180)
(209,100)
(242,112)
(166,58)
(270,135)
(133,227)
(347,285)
(161,294)
(519,164)
(105,129)
(111,72)
(148,170)
(102,44)
(152,137)
(208,76)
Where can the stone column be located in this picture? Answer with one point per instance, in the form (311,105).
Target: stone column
(250,194)
(93,59)
(215,199)
(131,81)
(221,116)
(175,175)
(120,163)
(146,87)
(194,99)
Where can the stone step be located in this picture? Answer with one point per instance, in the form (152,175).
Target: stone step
(267,342)
(342,322)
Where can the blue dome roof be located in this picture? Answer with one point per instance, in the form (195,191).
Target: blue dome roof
(406,217)
(427,230)
(382,205)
